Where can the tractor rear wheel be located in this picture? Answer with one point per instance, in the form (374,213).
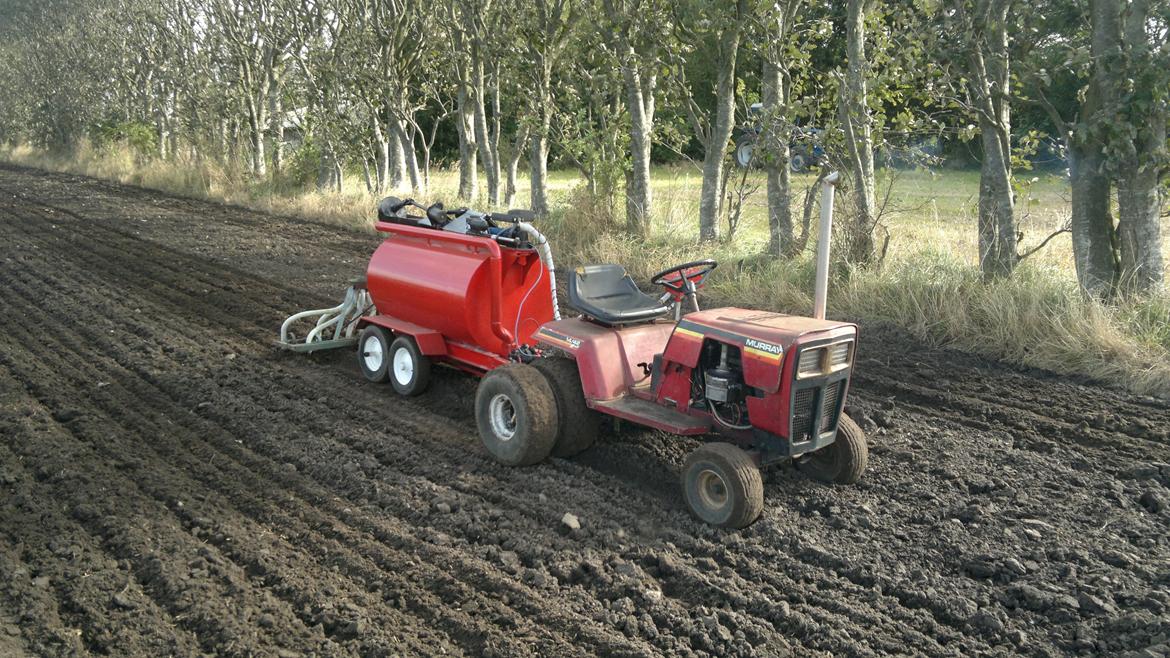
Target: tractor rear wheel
(410,370)
(373,353)
(844,460)
(578,425)
(516,413)
(722,485)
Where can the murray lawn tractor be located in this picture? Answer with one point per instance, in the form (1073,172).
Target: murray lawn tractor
(477,292)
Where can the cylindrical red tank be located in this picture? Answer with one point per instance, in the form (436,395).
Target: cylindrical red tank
(465,287)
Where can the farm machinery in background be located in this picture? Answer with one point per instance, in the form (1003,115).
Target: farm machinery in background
(805,149)
(477,292)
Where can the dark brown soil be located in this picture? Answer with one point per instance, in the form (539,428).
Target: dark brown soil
(172,484)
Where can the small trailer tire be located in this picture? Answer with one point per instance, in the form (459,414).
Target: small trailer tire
(578,425)
(516,412)
(723,486)
(410,371)
(844,460)
(373,350)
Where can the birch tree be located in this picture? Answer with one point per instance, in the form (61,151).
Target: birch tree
(856,120)
(641,29)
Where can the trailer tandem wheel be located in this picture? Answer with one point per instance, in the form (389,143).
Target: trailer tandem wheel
(410,371)
(373,350)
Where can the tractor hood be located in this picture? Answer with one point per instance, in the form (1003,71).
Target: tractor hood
(765,326)
(765,338)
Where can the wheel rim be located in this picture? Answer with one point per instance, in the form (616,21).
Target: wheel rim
(502,415)
(712,489)
(744,154)
(372,353)
(798,162)
(403,366)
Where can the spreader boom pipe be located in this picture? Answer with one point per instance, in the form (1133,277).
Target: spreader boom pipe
(821,289)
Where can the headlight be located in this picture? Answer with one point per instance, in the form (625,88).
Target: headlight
(839,355)
(811,362)
(817,361)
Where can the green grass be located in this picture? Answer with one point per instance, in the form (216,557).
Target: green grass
(927,283)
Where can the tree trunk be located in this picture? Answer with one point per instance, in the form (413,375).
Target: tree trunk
(1092,221)
(640,88)
(465,122)
(482,135)
(223,138)
(997,230)
(710,199)
(326,170)
(538,164)
(407,141)
(775,154)
(397,157)
(1139,203)
(1139,231)
(856,121)
(493,136)
(371,185)
(381,156)
(258,126)
(990,78)
(276,120)
(160,127)
(517,152)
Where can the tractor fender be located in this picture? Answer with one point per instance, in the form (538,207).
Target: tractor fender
(609,358)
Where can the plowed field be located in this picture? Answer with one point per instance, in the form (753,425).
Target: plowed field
(172,484)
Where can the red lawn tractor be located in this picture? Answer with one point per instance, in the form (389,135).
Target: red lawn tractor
(477,292)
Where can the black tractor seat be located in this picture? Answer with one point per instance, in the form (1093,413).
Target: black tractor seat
(607,294)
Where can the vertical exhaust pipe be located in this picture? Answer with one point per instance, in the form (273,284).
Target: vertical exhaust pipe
(821,289)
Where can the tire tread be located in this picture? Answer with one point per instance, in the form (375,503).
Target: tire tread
(578,425)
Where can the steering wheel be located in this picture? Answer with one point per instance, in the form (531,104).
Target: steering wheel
(683,279)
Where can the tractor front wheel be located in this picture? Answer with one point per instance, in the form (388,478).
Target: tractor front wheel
(722,485)
(516,413)
(844,460)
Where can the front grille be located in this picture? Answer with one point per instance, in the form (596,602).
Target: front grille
(829,405)
(802,414)
(814,410)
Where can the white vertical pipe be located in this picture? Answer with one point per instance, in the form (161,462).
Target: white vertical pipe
(821,290)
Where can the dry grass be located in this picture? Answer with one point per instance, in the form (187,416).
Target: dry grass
(927,283)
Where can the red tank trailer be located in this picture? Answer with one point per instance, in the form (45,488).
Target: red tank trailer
(477,292)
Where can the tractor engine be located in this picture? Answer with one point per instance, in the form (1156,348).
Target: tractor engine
(718,382)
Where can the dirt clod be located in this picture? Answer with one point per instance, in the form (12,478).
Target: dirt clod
(1153,501)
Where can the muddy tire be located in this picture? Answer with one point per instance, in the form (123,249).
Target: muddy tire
(722,486)
(516,413)
(577,424)
(373,353)
(409,371)
(844,460)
